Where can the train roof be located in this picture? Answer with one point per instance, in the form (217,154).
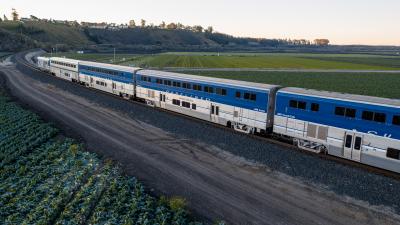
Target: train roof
(67,60)
(196,78)
(342,96)
(109,66)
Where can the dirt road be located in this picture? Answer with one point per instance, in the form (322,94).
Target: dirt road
(216,184)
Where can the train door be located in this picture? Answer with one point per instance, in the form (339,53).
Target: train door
(162,100)
(240,114)
(114,87)
(91,81)
(352,146)
(214,112)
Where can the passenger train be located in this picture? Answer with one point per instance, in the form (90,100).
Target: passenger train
(358,128)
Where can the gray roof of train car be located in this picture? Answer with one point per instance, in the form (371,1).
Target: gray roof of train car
(343,96)
(206,79)
(109,66)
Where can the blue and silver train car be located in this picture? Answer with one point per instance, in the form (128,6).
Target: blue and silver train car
(245,106)
(118,80)
(359,128)
(64,68)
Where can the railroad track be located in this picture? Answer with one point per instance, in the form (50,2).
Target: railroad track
(20,60)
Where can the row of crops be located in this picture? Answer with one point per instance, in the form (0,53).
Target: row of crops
(48,179)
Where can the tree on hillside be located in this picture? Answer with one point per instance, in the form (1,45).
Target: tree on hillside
(172,26)
(132,24)
(1,20)
(163,25)
(15,15)
(34,18)
(321,42)
(143,23)
(198,28)
(209,29)
(180,26)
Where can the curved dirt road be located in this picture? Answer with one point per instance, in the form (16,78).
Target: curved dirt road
(215,186)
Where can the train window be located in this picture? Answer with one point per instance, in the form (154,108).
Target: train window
(293,103)
(159,81)
(169,83)
(165,82)
(367,115)
(396,120)
(218,91)
(380,117)
(194,106)
(253,97)
(210,89)
(174,84)
(246,96)
(238,94)
(176,102)
(223,92)
(393,153)
(302,105)
(349,140)
(357,143)
(340,111)
(186,85)
(350,113)
(186,104)
(205,89)
(314,107)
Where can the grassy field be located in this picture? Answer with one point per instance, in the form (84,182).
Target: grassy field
(373,84)
(250,60)
(49,179)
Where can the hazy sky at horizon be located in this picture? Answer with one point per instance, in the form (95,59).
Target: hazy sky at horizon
(374,22)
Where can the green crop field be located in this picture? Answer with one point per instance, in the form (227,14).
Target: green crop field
(48,179)
(372,84)
(249,60)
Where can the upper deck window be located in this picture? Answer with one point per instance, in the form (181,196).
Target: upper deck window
(314,107)
(396,120)
(374,116)
(220,91)
(380,117)
(238,94)
(347,112)
(298,104)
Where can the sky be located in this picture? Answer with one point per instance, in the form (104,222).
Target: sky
(371,22)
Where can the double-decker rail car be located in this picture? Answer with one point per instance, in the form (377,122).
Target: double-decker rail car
(359,128)
(65,68)
(44,63)
(118,80)
(245,106)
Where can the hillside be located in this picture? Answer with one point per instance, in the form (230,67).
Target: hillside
(62,35)
(43,34)
(10,42)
